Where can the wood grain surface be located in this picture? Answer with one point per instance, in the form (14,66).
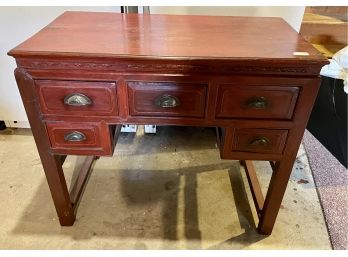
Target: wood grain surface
(173,36)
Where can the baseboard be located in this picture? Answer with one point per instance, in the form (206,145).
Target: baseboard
(17,124)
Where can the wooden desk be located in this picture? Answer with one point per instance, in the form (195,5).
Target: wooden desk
(85,74)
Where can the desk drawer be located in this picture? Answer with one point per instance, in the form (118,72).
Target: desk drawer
(259,140)
(77,98)
(248,100)
(166,99)
(242,143)
(80,138)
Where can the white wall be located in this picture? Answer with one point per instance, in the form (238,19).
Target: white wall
(292,14)
(16,25)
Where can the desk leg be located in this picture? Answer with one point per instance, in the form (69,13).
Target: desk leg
(274,196)
(280,177)
(59,191)
(52,164)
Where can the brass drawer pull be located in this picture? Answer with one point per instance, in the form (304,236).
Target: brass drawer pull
(77,99)
(167,101)
(260,141)
(74,136)
(257,102)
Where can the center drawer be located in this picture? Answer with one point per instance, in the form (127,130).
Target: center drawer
(166,99)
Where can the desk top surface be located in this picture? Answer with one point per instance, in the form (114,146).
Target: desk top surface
(168,36)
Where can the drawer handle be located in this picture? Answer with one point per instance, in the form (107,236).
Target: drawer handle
(260,141)
(167,101)
(258,103)
(77,99)
(74,136)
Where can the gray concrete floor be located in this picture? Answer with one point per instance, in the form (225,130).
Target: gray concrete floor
(163,191)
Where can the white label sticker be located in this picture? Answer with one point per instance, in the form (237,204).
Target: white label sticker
(301,53)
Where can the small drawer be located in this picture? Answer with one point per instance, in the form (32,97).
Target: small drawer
(77,98)
(166,99)
(252,143)
(81,138)
(250,99)
(259,140)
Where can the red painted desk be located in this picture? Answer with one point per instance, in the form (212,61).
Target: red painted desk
(86,74)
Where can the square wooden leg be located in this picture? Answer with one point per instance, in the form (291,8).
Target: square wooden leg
(274,196)
(268,209)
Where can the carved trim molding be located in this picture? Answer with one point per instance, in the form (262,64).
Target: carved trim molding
(123,66)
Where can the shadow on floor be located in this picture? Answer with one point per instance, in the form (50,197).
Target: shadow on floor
(139,204)
(141,217)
